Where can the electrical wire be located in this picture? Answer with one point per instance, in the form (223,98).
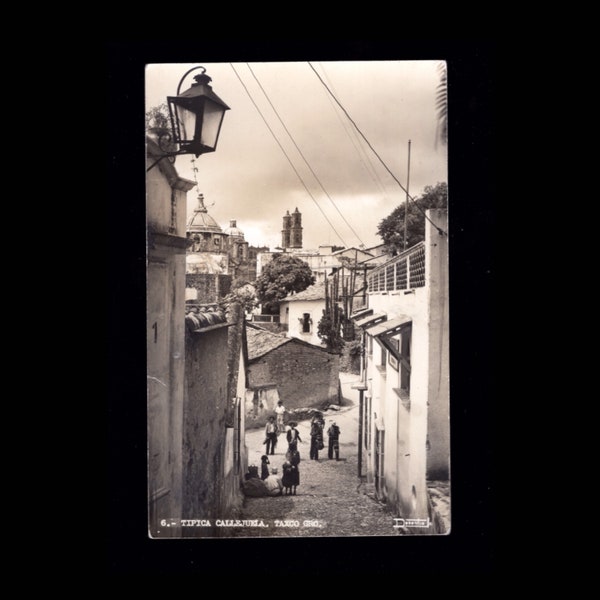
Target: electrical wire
(286,155)
(355,140)
(302,155)
(440,230)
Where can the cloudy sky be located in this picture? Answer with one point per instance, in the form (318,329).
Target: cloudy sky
(248,178)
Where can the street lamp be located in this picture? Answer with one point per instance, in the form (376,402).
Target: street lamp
(196,118)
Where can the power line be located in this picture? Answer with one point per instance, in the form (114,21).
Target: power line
(302,155)
(286,155)
(440,230)
(355,140)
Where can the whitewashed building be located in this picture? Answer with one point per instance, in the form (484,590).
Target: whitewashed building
(405,433)
(302,312)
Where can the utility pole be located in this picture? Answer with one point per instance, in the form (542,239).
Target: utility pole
(406,203)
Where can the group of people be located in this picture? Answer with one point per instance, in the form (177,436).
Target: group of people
(317,426)
(290,478)
(274,428)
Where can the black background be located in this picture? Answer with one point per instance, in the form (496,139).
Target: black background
(471,546)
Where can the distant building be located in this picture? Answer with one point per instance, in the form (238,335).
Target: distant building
(216,257)
(288,369)
(322,262)
(291,234)
(301,313)
(327,259)
(379,250)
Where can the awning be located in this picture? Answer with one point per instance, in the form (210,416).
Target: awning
(384,332)
(376,318)
(359,314)
(390,327)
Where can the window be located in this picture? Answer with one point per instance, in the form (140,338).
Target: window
(370,345)
(306,321)
(394,337)
(405,341)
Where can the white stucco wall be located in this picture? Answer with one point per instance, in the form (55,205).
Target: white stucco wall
(405,428)
(165,325)
(159,209)
(438,457)
(241,396)
(408,423)
(297,309)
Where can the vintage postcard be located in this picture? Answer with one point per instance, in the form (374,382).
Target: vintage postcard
(297,299)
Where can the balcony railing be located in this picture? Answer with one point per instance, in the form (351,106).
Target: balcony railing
(403,272)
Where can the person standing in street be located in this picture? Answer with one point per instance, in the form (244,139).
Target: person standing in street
(270,435)
(334,441)
(316,438)
(293,435)
(291,469)
(280,412)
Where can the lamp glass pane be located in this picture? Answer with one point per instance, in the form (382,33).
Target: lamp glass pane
(213,115)
(187,124)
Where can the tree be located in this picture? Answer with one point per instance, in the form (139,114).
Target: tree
(441,104)
(328,329)
(158,126)
(391,229)
(158,120)
(283,275)
(330,324)
(243,293)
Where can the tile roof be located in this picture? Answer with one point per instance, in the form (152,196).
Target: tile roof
(260,341)
(199,317)
(314,292)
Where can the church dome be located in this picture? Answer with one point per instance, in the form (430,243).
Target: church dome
(202,222)
(233,230)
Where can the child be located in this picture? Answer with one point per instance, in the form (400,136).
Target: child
(291,478)
(264,467)
(288,479)
(293,459)
(292,455)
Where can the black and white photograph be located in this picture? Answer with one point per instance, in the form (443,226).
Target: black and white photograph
(298,217)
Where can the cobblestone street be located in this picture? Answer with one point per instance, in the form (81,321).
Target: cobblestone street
(330,499)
